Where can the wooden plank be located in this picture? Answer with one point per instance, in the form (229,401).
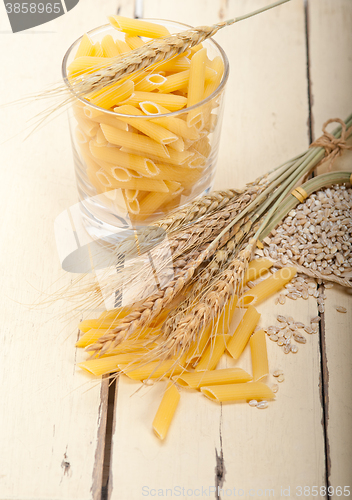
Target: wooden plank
(236,446)
(52,417)
(330,48)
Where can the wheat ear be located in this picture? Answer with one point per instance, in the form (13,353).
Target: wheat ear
(210,304)
(153,52)
(146,311)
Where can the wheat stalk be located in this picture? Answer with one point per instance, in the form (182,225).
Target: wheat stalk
(210,305)
(152,53)
(198,208)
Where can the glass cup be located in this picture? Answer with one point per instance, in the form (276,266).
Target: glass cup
(135,166)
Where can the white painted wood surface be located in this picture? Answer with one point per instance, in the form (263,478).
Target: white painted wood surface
(330,39)
(265,122)
(50,413)
(52,429)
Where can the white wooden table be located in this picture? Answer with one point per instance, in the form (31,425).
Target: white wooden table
(291,69)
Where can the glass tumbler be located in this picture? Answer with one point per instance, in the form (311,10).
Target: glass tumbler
(138,158)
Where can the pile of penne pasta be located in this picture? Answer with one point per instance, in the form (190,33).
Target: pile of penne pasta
(145,163)
(196,368)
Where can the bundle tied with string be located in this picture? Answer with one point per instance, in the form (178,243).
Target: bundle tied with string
(334,146)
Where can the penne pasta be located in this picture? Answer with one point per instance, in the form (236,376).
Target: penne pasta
(196,350)
(268,287)
(151,203)
(98,117)
(217,66)
(112,94)
(178,63)
(259,354)
(166,411)
(97,50)
(154,131)
(239,340)
(90,336)
(213,353)
(134,42)
(196,85)
(132,141)
(154,369)
(175,125)
(103,323)
(151,82)
(136,27)
(87,64)
(177,158)
(85,48)
(256,268)
(195,380)
(109,47)
(110,364)
(170,101)
(224,321)
(114,155)
(185,176)
(122,47)
(237,392)
(180,80)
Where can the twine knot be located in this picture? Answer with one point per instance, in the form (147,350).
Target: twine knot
(333,146)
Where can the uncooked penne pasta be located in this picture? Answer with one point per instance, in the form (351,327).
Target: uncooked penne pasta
(134,141)
(186,176)
(213,353)
(118,173)
(136,27)
(87,64)
(178,63)
(131,194)
(151,82)
(223,323)
(177,158)
(85,48)
(175,125)
(237,392)
(109,47)
(88,324)
(97,51)
(112,94)
(239,340)
(268,287)
(259,354)
(91,336)
(170,101)
(156,132)
(256,268)
(195,380)
(151,203)
(196,350)
(196,85)
(154,369)
(110,364)
(180,80)
(122,47)
(217,66)
(166,410)
(131,205)
(134,162)
(134,42)
(107,119)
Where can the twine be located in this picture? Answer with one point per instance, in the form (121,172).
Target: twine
(333,146)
